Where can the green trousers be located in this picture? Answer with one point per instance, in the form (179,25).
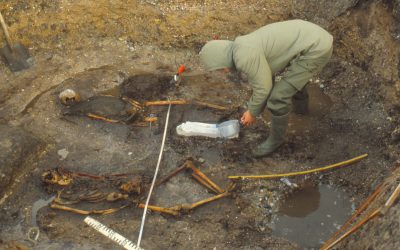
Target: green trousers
(297,75)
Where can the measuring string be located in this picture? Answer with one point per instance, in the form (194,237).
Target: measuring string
(154,178)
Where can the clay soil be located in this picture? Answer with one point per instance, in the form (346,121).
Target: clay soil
(132,48)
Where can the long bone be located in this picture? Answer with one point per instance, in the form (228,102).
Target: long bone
(184,208)
(202,179)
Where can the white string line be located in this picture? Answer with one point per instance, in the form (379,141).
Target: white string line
(154,178)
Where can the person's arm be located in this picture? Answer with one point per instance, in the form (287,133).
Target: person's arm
(255,66)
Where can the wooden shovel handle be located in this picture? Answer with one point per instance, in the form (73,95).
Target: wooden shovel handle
(5,29)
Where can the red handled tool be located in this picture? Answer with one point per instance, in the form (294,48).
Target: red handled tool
(181,69)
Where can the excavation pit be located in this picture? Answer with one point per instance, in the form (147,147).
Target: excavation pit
(93,48)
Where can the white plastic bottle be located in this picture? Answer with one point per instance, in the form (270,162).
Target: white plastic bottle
(228,129)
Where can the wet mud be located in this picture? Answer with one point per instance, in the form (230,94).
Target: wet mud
(147,87)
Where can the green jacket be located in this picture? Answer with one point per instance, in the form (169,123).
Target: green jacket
(266,51)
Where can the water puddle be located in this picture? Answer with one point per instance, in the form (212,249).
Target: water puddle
(311,215)
(319,105)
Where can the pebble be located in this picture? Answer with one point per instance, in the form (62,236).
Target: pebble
(63,153)
(386,236)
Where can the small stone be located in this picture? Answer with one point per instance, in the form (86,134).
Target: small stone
(63,153)
(386,236)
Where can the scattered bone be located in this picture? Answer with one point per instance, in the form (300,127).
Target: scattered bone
(202,179)
(86,212)
(130,187)
(116,196)
(76,187)
(57,176)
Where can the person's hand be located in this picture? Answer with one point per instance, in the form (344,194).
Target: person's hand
(247,119)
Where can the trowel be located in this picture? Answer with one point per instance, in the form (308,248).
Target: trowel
(176,79)
(16,55)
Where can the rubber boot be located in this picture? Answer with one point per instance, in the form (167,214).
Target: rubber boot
(300,102)
(276,137)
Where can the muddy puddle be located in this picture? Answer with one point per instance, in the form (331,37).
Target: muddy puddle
(320,103)
(319,106)
(310,215)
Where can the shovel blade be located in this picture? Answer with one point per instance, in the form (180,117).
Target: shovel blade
(18,58)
